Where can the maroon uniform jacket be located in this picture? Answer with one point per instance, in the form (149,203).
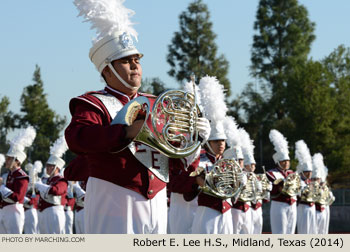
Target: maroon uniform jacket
(17,181)
(182,183)
(58,188)
(274,174)
(90,134)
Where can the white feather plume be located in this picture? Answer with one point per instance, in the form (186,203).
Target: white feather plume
(279,142)
(247,143)
(302,153)
(24,138)
(188,88)
(232,132)
(59,147)
(2,160)
(38,166)
(212,99)
(320,170)
(106,16)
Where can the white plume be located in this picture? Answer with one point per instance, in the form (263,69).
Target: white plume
(302,153)
(212,99)
(188,88)
(2,160)
(279,142)
(320,170)
(24,138)
(38,166)
(106,16)
(247,143)
(232,132)
(59,147)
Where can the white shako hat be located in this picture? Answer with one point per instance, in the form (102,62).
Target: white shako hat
(319,169)
(233,139)
(302,153)
(280,144)
(57,150)
(24,139)
(111,19)
(247,147)
(211,98)
(217,131)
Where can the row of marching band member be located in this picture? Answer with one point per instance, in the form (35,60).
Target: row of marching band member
(31,205)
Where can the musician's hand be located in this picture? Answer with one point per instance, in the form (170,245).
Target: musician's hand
(203,127)
(200,181)
(134,129)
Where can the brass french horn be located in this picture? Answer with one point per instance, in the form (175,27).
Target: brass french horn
(291,185)
(222,181)
(170,122)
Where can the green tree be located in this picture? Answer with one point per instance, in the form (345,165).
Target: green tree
(193,49)
(152,86)
(8,121)
(38,114)
(283,40)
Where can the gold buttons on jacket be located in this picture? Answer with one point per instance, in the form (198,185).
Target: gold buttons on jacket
(150,192)
(151,177)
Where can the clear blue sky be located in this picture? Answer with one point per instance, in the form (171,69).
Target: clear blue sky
(50,34)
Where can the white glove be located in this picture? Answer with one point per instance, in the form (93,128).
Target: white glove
(269,186)
(203,127)
(5,191)
(242,178)
(191,158)
(42,188)
(79,192)
(259,186)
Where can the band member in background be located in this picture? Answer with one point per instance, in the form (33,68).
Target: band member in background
(213,215)
(69,207)
(14,191)
(79,189)
(306,212)
(31,220)
(283,211)
(53,194)
(126,189)
(325,197)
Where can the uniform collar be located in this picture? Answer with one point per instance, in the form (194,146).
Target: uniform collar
(119,95)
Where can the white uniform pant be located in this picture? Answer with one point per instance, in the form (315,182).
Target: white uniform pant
(31,221)
(257,221)
(306,220)
(181,214)
(283,217)
(12,219)
(112,209)
(242,221)
(69,221)
(327,208)
(79,221)
(52,220)
(321,222)
(210,221)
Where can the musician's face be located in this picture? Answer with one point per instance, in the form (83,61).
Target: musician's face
(11,163)
(307,174)
(218,146)
(50,169)
(250,168)
(285,164)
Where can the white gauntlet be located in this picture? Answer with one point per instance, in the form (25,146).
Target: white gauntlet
(203,126)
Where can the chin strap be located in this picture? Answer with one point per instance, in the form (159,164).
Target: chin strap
(53,172)
(120,78)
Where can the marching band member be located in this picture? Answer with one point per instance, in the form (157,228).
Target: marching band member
(283,211)
(306,215)
(53,194)
(249,166)
(126,189)
(325,197)
(13,192)
(79,189)
(68,208)
(31,200)
(4,177)
(213,215)
(241,211)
